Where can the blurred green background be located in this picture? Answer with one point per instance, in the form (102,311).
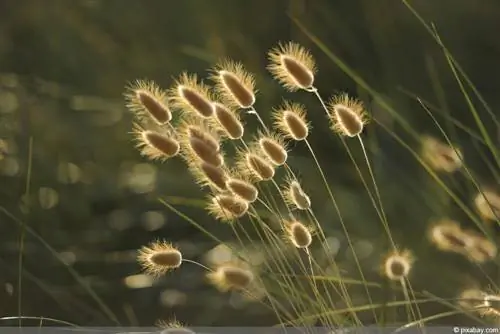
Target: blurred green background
(93,199)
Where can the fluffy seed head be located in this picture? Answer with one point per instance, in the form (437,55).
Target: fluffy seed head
(173,327)
(274,148)
(471,298)
(293,66)
(243,189)
(209,175)
(397,266)
(234,84)
(148,102)
(481,250)
(299,234)
(228,121)
(448,236)
(159,257)
(491,306)
(230,277)
(290,120)
(227,208)
(253,165)
(200,143)
(295,196)
(347,115)
(440,156)
(204,152)
(190,95)
(155,145)
(487,203)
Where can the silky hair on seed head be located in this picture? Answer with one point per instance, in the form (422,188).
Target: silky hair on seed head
(295,196)
(228,122)
(293,66)
(298,234)
(147,101)
(272,146)
(192,96)
(155,145)
(347,115)
(290,121)
(159,257)
(253,165)
(230,277)
(397,265)
(227,207)
(440,156)
(234,84)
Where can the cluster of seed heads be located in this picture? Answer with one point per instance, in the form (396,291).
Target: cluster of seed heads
(198,121)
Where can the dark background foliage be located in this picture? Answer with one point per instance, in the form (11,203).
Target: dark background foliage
(92,201)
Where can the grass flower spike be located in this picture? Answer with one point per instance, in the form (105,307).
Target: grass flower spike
(159,258)
(147,101)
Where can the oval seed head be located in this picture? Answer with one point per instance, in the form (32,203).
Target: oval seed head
(173,327)
(148,102)
(447,236)
(228,121)
(274,149)
(488,205)
(230,277)
(347,115)
(290,120)
(159,257)
(235,85)
(155,145)
(295,196)
(204,152)
(200,143)
(209,175)
(293,66)
(481,250)
(243,189)
(190,95)
(255,166)
(397,266)
(440,156)
(298,234)
(227,208)
(471,298)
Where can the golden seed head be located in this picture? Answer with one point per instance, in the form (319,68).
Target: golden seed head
(274,148)
(204,152)
(397,266)
(228,121)
(234,84)
(290,120)
(471,298)
(227,208)
(243,189)
(487,203)
(491,306)
(298,234)
(440,156)
(347,115)
(230,277)
(159,257)
(148,102)
(448,236)
(209,175)
(293,66)
(173,327)
(200,143)
(189,95)
(481,250)
(155,145)
(259,167)
(295,195)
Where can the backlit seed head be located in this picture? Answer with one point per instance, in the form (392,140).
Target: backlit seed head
(440,156)
(190,95)
(173,327)
(243,189)
(274,149)
(209,175)
(487,203)
(471,298)
(298,233)
(155,145)
(448,236)
(491,306)
(253,165)
(227,208)
(293,66)
(234,84)
(204,152)
(347,115)
(397,265)
(200,143)
(228,121)
(159,257)
(290,120)
(230,277)
(295,195)
(481,250)
(148,102)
